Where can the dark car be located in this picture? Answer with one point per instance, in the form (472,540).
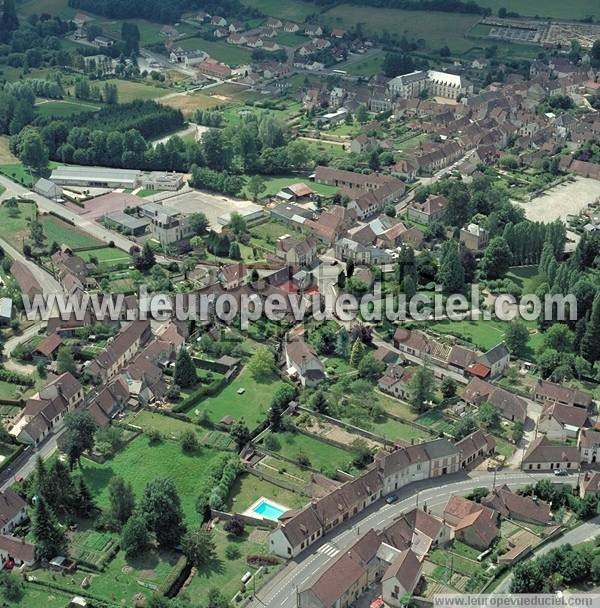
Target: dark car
(391,499)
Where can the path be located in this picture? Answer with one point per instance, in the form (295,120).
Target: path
(12,343)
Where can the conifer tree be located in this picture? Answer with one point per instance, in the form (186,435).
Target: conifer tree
(49,537)
(185,370)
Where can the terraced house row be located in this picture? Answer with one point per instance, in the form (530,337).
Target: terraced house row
(299,529)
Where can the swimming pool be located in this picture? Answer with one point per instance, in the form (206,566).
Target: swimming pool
(266,509)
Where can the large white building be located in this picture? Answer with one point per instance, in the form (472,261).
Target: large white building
(438,84)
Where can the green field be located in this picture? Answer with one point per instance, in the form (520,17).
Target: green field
(247,489)
(63,233)
(575,9)
(34,595)
(221,51)
(130,91)
(14,229)
(52,7)
(9,390)
(107,256)
(63,109)
(293,11)
(320,454)
(166,425)
(222,573)
(368,65)
(274,184)
(396,431)
(141,462)
(252,405)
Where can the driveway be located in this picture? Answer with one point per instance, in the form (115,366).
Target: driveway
(12,343)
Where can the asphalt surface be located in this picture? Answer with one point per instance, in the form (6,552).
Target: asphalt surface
(281,591)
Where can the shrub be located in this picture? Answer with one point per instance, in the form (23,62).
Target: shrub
(232,552)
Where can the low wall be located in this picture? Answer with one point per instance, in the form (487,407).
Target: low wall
(250,521)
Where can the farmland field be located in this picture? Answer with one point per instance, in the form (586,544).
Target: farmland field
(573,10)
(190,102)
(294,11)
(129,91)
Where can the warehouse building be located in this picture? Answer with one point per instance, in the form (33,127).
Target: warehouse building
(96,177)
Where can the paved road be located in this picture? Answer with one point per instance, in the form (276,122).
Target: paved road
(281,591)
(86,224)
(47,282)
(12,343)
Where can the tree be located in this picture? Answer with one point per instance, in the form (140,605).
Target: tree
(79,435)
(262,363)
(199,223)
(518,431)
(558,337)
(488,415)
(12,588)
(374,162)
(240,434)
(448,387)
(516,337)
(121,499)
(256,185)
(356,354)
(361,114)
(161,506)
(235,526)
(65,361)
(199,547)
(451,273)
(497,258)
(85,502)
(135,537)
(189,441)
(590,343)
(342,343)
(146,259)
(32,150)
(10,20)
(185,370)
(49,537)
(370,368)
(420,388)
(234,251)
(237,223)
(216,599)
(319,402)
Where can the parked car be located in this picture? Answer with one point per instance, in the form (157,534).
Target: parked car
(561,472)
(391,498)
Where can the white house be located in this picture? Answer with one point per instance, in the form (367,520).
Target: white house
(302,362)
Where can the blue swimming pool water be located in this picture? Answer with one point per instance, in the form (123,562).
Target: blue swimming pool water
(268,510)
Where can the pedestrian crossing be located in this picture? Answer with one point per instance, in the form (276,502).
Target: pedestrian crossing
(328,549)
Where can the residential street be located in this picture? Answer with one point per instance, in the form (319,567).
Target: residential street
(281,591)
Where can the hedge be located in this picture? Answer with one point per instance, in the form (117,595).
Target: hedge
(173,576)
(15,378)
(199,393)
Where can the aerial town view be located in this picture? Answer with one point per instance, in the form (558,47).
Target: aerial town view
(299,303)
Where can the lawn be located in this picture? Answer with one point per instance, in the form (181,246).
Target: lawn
(171,427)
(396,407)
(247,489)
(107,256)
(367,65)
(63,109)
(6,156)
(435,420)
(14,228)
(18,173)
(34,595)
(459,564)
(274,184)
(129,91)
(393,430)
(221,51)
(557,9)
(9,390)
(223,573)
(65,234)
(526,277)
(122,578)
(251,405)
(321,455)
(141,462)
